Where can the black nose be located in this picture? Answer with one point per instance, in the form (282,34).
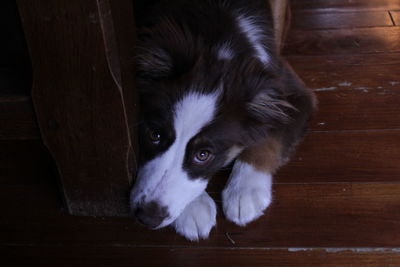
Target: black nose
(151,214)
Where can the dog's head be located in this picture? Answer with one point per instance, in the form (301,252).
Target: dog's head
(198,113)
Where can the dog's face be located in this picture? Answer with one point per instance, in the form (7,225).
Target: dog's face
(178,157)
(197,114)
(186,136)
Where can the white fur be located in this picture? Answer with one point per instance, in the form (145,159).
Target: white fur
(247,194)
(255,36)
(197,219)
(163,179)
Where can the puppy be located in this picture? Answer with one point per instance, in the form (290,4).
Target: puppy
(213,90)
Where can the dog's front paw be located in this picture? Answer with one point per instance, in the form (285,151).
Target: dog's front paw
(247,194)
(197,219)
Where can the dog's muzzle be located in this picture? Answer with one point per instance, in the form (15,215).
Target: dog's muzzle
(150,214)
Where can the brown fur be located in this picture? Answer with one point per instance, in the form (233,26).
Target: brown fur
(275,150)
(265,156)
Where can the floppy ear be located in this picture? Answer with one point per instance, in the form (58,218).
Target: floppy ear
(153,62)
(165,50)
(283,100)
(268,107)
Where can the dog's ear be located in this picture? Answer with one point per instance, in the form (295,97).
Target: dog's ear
(268,106)
(168,50)
(270,102)
(153,62)
(281,100)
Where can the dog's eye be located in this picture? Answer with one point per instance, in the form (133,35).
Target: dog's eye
(202,156)
(154,136)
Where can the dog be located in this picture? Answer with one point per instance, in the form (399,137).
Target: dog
(213,91)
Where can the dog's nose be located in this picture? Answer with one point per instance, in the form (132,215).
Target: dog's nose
(151,214)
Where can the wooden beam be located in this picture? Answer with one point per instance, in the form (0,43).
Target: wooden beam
(280,9)
(84,97)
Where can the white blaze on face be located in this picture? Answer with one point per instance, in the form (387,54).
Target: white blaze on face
(163,179)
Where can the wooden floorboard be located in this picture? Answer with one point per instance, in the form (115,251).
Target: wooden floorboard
(359,156)
(341,20)
(355,92)
(344,5)
(302,215)
(343,41)
(357,109)
(376,71)
(133,256)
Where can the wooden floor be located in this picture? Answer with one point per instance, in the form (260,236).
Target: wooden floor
(336,203)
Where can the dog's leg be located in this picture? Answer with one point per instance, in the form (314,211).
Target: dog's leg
(248,191)
(197,219)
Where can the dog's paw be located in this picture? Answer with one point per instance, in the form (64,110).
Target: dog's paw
(197,219)
(245,205)
(247,194)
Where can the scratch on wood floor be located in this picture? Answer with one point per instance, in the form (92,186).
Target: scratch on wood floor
(346,84)
(230,239)
(336,250)
(325,89)
(393,83)
(362,88)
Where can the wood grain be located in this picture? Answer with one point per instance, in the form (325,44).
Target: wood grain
(139,256)
(359,156)
(78,96)
(373,71)
(357,109)
(344,5)
(396,17)
(302,215)
(341,20)
(356,92)
(279,9)
(343,41)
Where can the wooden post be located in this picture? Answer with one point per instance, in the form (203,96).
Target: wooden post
(84,98)
(280,13)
